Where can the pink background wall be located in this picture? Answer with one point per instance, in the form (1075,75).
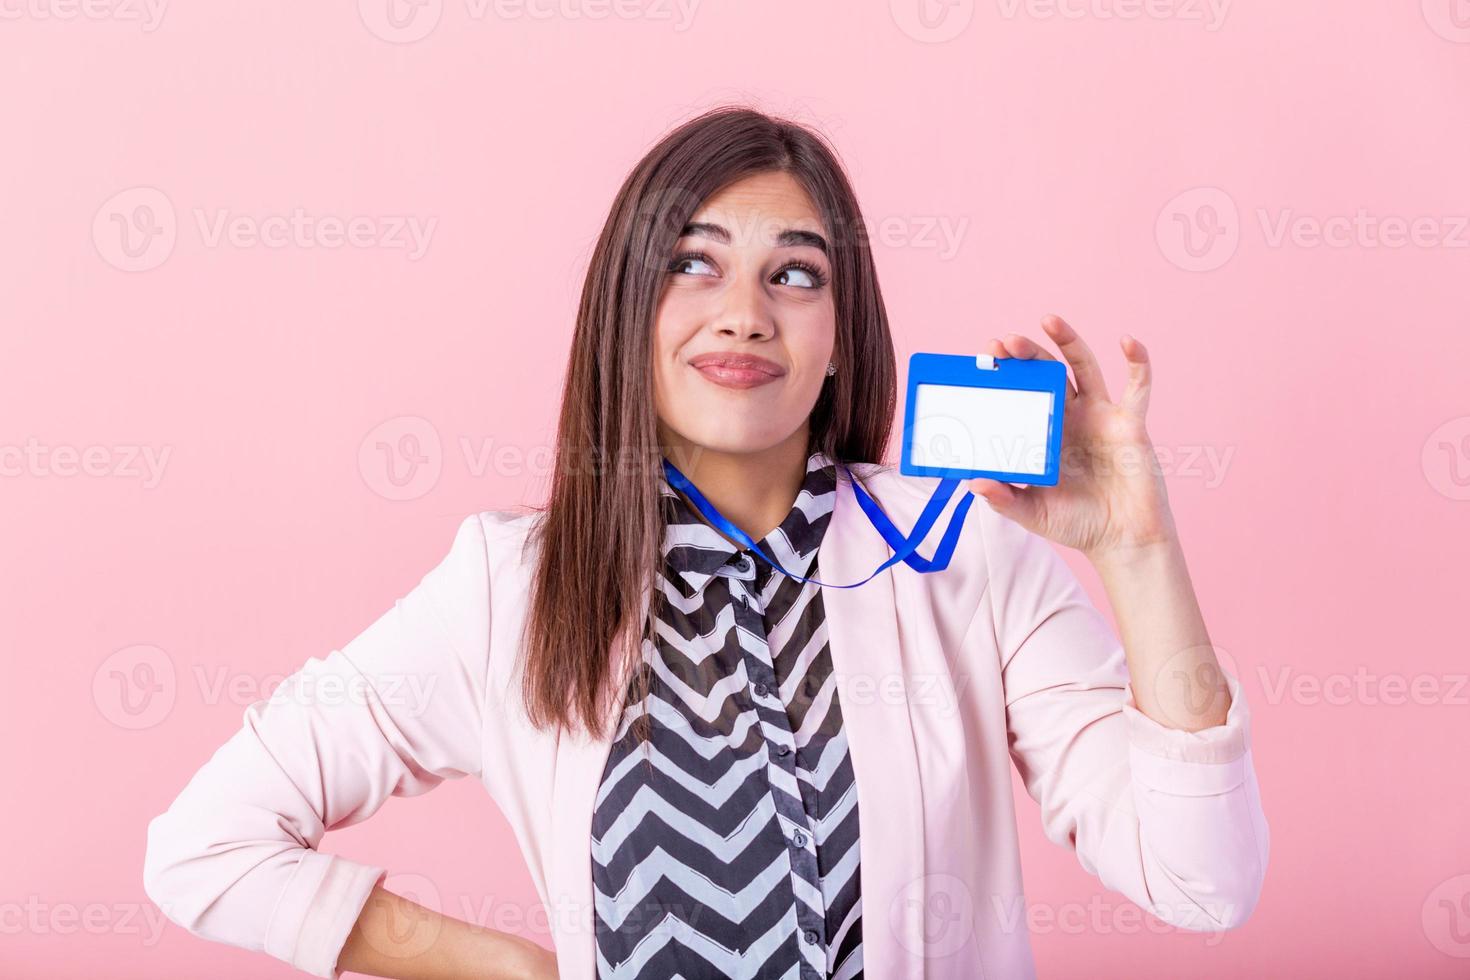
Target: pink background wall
(194,499)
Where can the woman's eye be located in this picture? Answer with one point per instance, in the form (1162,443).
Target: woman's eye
(694,265)
(794,275)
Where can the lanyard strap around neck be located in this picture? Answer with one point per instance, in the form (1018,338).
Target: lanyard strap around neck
(904,548)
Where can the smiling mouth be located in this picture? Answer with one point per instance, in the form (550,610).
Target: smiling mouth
(739,371)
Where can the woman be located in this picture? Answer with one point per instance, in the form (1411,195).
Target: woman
(720,768)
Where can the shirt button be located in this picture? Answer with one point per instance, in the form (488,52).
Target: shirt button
(743,565)
(761,690)
(811,937)
(798,839)
(783,750)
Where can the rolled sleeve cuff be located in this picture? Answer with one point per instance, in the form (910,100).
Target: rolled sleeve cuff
(316,913)
(1160,751)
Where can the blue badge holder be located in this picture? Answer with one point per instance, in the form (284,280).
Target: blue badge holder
(983,416)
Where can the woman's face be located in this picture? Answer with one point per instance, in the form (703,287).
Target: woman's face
(745,324)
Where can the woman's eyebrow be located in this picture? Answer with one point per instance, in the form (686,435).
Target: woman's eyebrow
(787,238)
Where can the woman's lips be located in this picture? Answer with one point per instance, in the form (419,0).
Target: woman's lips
(737,370)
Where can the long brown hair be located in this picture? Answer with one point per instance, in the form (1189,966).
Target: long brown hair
(598,539)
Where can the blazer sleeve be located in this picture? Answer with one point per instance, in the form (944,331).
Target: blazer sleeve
(1171,819)
(394,712)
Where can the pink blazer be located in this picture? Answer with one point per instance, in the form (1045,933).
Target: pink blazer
(945,680)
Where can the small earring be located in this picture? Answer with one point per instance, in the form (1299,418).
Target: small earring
(831,369)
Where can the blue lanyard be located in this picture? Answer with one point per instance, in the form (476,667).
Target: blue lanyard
(904,549)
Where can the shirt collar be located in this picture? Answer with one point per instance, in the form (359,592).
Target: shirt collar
(694,552)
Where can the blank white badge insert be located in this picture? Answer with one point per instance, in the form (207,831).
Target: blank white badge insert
(999,429)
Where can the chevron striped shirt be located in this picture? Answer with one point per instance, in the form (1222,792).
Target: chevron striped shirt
(728,845)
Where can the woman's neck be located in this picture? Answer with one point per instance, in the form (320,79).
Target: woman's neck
(754,491)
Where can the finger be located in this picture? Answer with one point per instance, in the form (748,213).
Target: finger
(1006,500)
(1084,365)
(1140,376)
(1029,349)
(995,348)
(1024,347)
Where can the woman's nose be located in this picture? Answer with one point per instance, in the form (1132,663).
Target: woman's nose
(745,311)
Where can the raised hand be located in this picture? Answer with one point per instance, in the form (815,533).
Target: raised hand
(1110,498)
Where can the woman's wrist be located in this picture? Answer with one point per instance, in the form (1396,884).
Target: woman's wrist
(1136,557)
(1173,670)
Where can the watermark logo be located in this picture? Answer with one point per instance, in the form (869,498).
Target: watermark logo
(1445,917)
(400,21)
(933,915)
(410,932)
(932,21)
(135,687)
(135,230)
(402,458)
(1189,686)
(1446,459)
(1450,19)
(1199,229)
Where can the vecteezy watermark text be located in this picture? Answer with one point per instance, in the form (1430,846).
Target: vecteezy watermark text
(407,21)
(1210,13)
(35,459)
(147,14)
(1200,229)
(137,229)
